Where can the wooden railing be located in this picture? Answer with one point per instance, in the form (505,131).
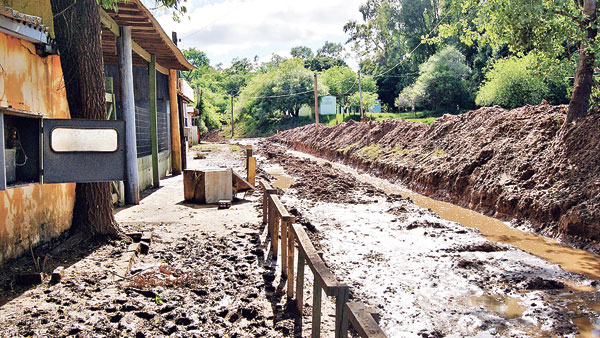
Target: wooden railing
(274,215)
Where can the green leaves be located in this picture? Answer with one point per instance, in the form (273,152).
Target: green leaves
(515,81)
(442,84)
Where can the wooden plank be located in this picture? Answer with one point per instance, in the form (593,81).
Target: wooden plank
(275,238)
(284,244)
(280,208)
(113,27)
(326,279)
(248,154)
(341,317)
(362,321)
(153,121)
(239,184)
(173,115)
(264,205)
(316,315)
(290,254)
(141,51)
(300,283)
(109,23)
(252,170)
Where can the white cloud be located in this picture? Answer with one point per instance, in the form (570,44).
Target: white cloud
(245,28)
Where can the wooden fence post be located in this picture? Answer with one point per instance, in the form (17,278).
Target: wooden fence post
(275,237)
(300,282)
(284,240)
(316,315)
(290,256)
(341,317)
(248,153)
(265,204)
(251,175)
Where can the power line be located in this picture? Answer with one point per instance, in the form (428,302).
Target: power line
(414,49)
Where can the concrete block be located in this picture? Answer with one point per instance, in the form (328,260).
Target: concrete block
(57,275)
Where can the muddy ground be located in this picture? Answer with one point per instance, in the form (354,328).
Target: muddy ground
(521,165)
(206,275)
(428,277)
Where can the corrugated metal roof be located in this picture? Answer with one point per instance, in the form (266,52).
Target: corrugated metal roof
(23,26)
(30,20)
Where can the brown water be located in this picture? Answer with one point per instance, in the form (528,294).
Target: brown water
(282,181)
(573,260)
(509,307)
(570,259)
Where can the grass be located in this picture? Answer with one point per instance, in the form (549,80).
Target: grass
(216,147)
(422,116)
(255,128)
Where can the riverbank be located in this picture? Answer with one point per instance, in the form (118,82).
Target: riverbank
(519,165)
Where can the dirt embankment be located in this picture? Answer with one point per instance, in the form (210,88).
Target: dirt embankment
(517,164)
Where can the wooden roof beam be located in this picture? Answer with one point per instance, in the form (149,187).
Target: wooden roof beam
(109,23)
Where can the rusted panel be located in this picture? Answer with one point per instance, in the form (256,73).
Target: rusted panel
(34,213)
(30,82)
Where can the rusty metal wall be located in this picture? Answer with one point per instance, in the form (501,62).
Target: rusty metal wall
(34,213)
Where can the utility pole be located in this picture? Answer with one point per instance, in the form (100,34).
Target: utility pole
(316,103)
(231,115)
(362,114)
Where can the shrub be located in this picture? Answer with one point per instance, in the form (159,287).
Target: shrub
(442,83)
(514,82)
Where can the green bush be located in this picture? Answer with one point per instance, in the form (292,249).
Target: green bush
(442,84)
(515,82)
(208,115)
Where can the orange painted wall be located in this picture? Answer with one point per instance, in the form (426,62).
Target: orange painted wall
(34,213)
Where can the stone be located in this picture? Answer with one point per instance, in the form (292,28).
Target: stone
(57,275)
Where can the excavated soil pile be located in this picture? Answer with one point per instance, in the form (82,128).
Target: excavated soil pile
(320,182)
(511,164)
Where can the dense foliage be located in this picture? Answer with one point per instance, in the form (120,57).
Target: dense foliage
(514,82)
(443,84)
(436,55)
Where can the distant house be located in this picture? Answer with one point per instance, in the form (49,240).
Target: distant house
(32,91)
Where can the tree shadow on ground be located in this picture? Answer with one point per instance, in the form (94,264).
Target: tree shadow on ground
(63,251)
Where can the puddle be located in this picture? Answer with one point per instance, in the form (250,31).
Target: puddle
(590,327)
(508,307)
(282,181)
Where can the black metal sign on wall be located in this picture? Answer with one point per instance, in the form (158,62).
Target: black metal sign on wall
(83,151)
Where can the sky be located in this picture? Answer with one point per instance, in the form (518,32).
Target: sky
(225,29)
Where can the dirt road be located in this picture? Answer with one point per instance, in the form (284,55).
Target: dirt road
(206,273)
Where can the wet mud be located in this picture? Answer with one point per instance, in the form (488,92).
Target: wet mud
(426,276)
(522,165)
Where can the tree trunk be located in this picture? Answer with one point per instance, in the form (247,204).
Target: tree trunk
(77,29)
(584,76)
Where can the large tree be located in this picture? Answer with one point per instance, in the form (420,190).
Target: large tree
(77,29)
(554,28)
(301,52)
(389,41)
